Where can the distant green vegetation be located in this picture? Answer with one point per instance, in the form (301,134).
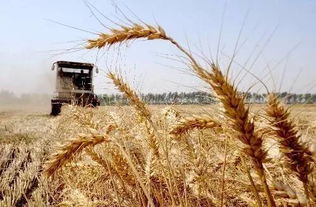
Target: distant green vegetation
(203,98)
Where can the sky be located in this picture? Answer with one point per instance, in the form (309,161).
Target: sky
(276,44)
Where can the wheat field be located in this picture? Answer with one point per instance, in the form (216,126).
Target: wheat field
(199,165)
(225,154)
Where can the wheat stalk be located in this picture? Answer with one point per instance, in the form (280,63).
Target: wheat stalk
(69,150)
(298,156)
(189,123)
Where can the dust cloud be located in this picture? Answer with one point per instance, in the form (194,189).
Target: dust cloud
(24,85)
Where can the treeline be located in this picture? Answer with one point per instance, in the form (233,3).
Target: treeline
(162,98)
(203,98)
(289,98)
(9,98)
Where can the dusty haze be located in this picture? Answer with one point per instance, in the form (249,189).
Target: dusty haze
(284,40)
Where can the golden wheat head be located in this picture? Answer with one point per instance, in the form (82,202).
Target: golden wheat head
(298,156)
(131,95)
(187,124)
(69,150)
(127,33)
(238,113)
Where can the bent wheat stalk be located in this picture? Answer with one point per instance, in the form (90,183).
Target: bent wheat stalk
(69,150)
(298,156)
(233,103)
(137,31)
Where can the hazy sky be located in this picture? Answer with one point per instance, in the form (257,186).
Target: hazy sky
(277,42)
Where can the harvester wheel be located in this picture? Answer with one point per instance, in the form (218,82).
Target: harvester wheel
(56,107)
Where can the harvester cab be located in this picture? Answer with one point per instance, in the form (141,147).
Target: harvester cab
(74,85)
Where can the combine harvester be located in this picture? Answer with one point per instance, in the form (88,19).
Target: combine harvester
(74,85)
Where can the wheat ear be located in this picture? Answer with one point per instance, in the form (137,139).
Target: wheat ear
(127,33)
(131,95)
(189,123)
(142,110)
(238,113)
(298,156)
(69,150)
